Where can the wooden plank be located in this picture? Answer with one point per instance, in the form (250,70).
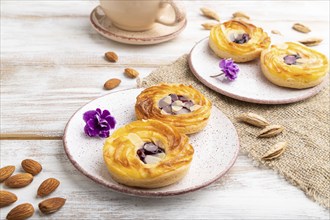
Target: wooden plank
(246,192)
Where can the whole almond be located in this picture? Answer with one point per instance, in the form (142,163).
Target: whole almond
(312,41)
(275,151)
(19,180)
(22,211)
(131,73)
(47,187)
(112,83)
(210,13)
(6,172)
(7,198)
(240,14)
(271,131)
(31,166)
(276,32)
(51,205)
(253,119)
(111,56)
(209,25)
(301,28)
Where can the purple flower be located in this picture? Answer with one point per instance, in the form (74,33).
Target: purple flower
(98,123)
(228,68)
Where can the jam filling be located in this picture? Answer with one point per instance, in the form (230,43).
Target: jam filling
(150,153)
(291,59)
(176,104)
(242,38)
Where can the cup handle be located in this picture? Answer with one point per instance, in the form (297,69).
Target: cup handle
(179,12)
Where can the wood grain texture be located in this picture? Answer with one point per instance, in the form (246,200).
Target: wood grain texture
(52,63)
(246,192)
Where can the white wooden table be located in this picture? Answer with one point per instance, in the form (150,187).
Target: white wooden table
(52,63)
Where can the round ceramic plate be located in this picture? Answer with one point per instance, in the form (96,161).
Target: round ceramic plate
(250,85)
(160,33)
(216,147)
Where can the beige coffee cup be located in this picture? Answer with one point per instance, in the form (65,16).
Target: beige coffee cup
(141,15)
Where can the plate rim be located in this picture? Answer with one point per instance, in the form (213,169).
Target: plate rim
(134,41)
(137,191)
(314,90)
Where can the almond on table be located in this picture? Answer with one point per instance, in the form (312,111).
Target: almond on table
(111,83)
(275,151)
(7,198)
(51,205)
(312,41)
(276,32)
(131,73)
(31,166)
(209,25)
(22,211)
(47,187)
(207,12)
(19,180)
(253,119)
(240,14)
(301,28)
(111,56)
(271,131)
(6,172)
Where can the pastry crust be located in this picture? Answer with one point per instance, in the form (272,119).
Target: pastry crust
(310,70)
(222,36)
(125,166)
(147,107)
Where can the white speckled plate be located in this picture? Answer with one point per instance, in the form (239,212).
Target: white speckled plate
(216,147)
(160,33)
(250,85)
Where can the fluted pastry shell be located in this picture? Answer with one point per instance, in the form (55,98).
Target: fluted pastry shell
(221,41)
(146,107)
(124,165)
(309,71)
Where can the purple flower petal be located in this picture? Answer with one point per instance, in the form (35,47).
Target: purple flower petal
(111,121)
(105,113)
(104,134)
(90,132)
(104,124)
(89,114)
(92,123)
(98,117)
(98,111)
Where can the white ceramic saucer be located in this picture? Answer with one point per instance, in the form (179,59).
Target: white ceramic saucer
(250,85)
(216,147)
(160,33)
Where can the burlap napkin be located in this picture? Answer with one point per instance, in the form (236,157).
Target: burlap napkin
(306,161)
